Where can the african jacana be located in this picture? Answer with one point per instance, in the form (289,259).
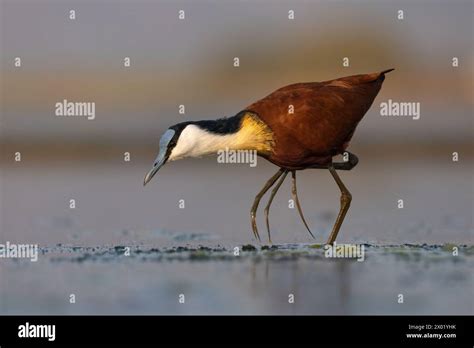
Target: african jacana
(323,121)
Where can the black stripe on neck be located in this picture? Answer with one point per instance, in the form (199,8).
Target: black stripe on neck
(227,125)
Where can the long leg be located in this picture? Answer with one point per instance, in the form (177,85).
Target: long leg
(346,198)
(267,208)
(295,197)
(259,196)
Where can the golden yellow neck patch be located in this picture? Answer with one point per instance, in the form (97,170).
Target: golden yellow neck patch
(254,134)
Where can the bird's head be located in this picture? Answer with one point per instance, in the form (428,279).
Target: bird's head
(173,145)
(198,138)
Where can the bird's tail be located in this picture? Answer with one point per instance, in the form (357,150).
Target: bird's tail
(386,71)
(381,76)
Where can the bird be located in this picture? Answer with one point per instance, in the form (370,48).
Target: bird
(296,127)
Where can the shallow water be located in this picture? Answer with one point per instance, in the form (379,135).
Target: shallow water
(190,251)
(258,281)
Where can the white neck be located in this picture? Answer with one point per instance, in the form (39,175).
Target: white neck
(195,142)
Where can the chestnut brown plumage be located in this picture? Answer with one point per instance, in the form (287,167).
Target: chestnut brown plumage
(296,127)
(324,119)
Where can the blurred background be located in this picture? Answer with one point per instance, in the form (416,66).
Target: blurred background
(190,62)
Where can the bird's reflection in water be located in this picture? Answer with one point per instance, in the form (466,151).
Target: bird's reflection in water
(264,272)
(264,268)
(344,282)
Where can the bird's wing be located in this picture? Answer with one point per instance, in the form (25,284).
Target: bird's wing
(317,117)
